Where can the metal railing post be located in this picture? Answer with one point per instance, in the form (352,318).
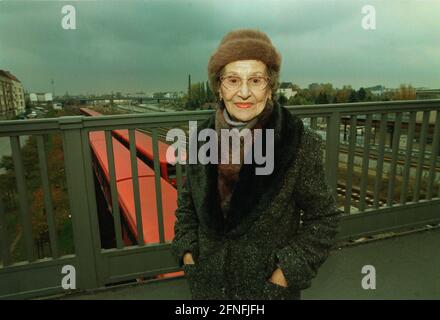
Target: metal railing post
(78,193)
(332,151)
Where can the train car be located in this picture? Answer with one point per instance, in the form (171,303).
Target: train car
(89,112)
(124,185)
(144,148)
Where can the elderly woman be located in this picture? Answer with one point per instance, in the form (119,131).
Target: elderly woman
(240,235)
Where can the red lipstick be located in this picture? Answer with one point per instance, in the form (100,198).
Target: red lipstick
(244,105)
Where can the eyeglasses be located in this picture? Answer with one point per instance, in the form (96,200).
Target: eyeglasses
(256,83)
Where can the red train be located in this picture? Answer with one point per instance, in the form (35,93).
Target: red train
(144,147)
(124,184)
(89,112)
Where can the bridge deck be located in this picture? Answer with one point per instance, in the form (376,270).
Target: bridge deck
(407,267)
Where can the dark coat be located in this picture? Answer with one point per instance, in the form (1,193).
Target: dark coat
(287,219)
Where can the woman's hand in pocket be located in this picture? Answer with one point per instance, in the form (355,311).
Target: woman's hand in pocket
(188,258)
(278,278)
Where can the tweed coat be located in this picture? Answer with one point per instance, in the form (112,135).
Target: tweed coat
(287,219)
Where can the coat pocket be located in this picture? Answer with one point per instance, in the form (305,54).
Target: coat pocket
(195,283)
(190,271)
(273,291)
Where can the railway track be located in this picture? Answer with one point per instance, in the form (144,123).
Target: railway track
(356,195)
(387,158)
(162,133)
(341,188)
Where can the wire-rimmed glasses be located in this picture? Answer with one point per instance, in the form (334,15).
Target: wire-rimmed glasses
(255,83)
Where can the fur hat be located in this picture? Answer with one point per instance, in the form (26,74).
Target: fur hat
(242,44)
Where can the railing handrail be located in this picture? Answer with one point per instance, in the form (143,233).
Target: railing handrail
(367,107)
(21,127)
(8,126)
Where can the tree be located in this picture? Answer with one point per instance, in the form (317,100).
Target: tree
(362,94)
(202,93)
(405,92)
(314,91)
(32,172)
(39,216)
(8,188)
(329,92)
(303,97)
(282,100)
(209,94)
(353,96)
(343,95)
(322,98)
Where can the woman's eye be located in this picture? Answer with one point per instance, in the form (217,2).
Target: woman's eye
(255,80)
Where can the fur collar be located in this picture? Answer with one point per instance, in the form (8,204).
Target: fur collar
(251,192)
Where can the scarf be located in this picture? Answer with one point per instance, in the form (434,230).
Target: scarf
(228,174)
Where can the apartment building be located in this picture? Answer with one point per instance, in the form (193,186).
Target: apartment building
(11,94)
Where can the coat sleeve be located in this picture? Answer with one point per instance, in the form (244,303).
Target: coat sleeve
(308,249)
(186,226)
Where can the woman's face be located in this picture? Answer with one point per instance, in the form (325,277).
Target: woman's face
(245,88)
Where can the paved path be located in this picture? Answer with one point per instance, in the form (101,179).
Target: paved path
(407,267)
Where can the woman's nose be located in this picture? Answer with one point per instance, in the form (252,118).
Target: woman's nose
(244,92)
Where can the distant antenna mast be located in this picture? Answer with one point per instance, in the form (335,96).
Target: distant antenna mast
(53,88)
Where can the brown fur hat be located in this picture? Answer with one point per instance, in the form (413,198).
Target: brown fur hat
(242,44)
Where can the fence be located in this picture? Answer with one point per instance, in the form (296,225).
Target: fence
(380,201)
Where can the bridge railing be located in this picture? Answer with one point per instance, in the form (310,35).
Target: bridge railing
(380,188)
(366,189)
(26,270)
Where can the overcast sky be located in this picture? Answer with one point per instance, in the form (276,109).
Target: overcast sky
(149,46)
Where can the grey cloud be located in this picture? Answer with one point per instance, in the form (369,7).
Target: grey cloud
(154,45)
